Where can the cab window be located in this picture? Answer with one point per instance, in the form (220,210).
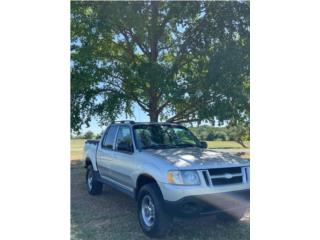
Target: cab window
(124,140)
(109,137)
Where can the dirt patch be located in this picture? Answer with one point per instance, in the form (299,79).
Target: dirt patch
(112,215)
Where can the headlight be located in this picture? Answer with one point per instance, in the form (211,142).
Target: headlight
(183,177)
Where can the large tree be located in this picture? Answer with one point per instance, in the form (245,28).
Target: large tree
(179,61)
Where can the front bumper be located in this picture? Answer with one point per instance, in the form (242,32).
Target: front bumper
(235,202)
(172,192)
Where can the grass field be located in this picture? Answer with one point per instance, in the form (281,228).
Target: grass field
(112,215)
(77,148)
(226,144)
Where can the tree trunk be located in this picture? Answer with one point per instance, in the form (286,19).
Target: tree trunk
(241,143)
(154,115)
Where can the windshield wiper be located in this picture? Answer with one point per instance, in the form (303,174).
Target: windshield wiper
(186,145)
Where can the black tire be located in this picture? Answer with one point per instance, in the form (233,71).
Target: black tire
(162,220)
(95,187)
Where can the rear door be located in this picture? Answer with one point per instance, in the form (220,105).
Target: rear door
(105,152)
(123,164)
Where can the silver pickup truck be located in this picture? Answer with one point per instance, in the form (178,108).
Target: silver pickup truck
(169,172)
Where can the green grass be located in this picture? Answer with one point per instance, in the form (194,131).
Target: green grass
(112,215)
(77,148)
(226,144)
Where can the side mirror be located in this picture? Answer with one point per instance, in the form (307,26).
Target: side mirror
(122,146)
(203,144)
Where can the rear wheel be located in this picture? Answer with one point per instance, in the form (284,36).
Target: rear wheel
(94,187)
(153,219)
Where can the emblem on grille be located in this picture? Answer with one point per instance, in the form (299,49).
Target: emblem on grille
(228,175)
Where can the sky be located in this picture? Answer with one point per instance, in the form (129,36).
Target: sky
(139,116)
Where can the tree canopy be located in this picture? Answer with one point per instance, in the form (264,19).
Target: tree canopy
(179,61)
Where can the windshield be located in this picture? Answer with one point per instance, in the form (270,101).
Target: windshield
(163,136)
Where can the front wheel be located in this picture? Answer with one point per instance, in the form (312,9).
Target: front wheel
(153,219)
(94,187)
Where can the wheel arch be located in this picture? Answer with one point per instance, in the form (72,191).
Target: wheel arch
(142,180)
(90,160)
(87,162)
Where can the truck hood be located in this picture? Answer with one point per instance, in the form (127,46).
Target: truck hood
(197,158)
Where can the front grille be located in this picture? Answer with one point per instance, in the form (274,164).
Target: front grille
(226,176)
(223,181)
(219,171)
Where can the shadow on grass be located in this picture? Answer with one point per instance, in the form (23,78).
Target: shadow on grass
(112,215)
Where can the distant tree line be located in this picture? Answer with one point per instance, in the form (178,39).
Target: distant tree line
(238,133)
(87,135)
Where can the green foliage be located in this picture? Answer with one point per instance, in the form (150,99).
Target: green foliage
(239,131)
(180,61)
(88,135)
(233,132)
(211,137)
(221,135)
(99,135)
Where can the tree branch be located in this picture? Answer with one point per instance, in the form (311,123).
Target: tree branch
(137,40)
(140,103)
(131,47)
(189,120)
(163,106)
(191,34)
(183,114)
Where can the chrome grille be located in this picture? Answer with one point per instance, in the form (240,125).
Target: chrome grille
(226,176)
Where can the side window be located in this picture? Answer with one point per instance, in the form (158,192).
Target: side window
(109,137)
(124,140)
